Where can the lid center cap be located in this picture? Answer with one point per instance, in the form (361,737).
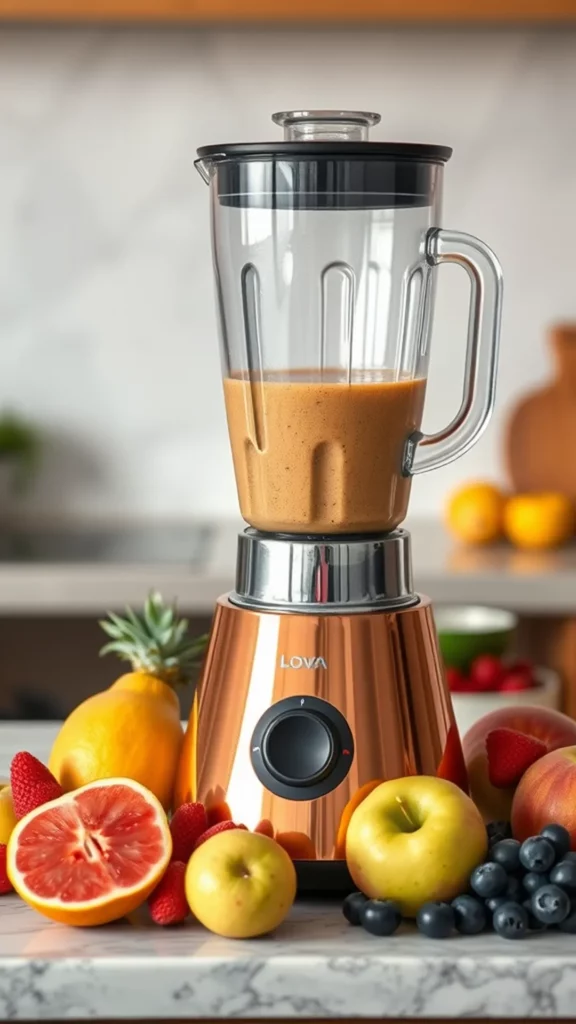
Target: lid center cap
(326,125)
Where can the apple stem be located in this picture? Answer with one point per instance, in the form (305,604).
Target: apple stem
(406,814)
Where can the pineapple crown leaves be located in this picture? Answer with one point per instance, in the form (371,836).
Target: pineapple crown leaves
(155,641)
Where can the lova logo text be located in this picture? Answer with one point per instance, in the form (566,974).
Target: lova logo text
(296,661)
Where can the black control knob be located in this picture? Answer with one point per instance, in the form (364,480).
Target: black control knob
(299,747)
(302,748)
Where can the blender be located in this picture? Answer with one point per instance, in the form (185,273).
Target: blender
(322,675)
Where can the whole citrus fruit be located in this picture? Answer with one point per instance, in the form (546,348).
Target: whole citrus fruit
(130,731)
(7,816)
(133,729)
(475,513)
(92,856)
(539,521)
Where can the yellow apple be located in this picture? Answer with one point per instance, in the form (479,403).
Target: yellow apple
(413,840)
(240,884)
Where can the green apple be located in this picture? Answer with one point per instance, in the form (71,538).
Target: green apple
(240,884)
(413,840)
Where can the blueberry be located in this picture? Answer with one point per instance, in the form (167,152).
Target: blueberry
(571,855)
(559,837)
(507,853)
(352,906)
(537,854)
(494,902)
(498,830)
(470,915)
(550,904)
(534,925)
(569,923)
(489,880)
(533,881)
(436,920)
(514,889)
(564,875)
(380,917)
(510,921)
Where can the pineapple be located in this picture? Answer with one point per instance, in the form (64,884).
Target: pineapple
(155,642)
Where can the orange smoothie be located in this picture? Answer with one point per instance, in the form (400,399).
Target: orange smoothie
(323,455)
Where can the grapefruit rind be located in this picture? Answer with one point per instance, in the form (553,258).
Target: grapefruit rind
(122,900)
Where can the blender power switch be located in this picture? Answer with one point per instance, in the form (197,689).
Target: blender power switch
(299,748)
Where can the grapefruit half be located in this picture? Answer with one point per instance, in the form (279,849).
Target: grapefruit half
(92,855)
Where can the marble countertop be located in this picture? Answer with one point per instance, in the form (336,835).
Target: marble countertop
(314,966)
(177,563)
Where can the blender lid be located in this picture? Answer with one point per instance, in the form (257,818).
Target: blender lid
(326,133)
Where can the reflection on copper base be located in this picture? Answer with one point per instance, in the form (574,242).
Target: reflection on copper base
(383,674)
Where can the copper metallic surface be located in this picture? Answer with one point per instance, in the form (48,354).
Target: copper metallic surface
(382,673)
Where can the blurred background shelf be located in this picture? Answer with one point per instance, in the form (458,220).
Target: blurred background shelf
(86,571)
(57,582)
(231,11)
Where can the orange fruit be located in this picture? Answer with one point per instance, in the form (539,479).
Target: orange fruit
(539,521)
(298,845)
(91,856)
(265,828)
(112,734)
(353,803)
(475,513)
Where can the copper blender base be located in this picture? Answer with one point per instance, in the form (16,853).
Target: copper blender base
(381,671)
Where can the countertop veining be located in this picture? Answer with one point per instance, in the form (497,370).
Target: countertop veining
(314,966)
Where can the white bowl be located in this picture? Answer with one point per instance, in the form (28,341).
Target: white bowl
(469,707)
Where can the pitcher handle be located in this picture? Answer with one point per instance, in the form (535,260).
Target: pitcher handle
(430,451)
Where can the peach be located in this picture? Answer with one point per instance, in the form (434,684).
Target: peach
(298,845)
(552,727)
(546,793)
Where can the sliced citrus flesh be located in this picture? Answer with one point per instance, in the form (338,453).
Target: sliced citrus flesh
(93,855)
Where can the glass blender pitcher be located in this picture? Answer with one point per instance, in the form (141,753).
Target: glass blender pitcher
(325,248)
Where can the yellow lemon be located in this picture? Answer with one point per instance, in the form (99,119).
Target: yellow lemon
(7,816)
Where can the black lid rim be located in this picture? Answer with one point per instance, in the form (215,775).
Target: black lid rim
(364,150)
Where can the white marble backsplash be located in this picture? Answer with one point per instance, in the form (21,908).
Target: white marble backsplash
(107,322)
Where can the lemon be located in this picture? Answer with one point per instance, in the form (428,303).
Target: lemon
(7,816)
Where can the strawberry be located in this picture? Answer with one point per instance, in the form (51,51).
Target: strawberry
(214,830)
(520,666)
(168,904)
(187,825)
(510,753)
(265,828)
(517,679)
(5,883)
(32,784)
(486,673)
(457,682)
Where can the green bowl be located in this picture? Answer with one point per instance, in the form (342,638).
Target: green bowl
(470,630)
